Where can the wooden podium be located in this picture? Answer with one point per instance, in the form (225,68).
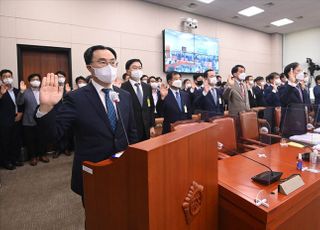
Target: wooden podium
(168,182)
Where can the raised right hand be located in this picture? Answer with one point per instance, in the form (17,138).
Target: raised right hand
(163,91)
(3,89)
(50,92)
(23,86)
(230,80)
(206,87)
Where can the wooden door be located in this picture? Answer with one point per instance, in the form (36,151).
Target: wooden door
(43,60)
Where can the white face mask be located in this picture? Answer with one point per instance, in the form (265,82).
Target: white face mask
(35,83)
(61,80)
(300,76)
(177,84)
(7,81)
(277,81)
(136,74)
(80,85)
(212,80)
(242,76)
(188,85)
(106,74)
(251,82)
(154,85)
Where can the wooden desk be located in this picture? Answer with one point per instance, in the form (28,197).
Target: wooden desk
(237,209)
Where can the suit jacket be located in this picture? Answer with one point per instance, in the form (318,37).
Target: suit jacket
(272,99)
(293,113)
(316,92)
(236,103)
(259,96)
(8,109)
(83,111)
(206,103)
(169,108)
(144,115)
(30,105)
(252,99)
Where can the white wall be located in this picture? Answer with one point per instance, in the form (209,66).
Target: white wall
(133,28)
(300,45)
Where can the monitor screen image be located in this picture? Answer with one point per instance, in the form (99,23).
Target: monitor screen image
(189,53)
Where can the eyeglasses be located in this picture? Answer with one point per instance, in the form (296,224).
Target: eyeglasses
(111,62)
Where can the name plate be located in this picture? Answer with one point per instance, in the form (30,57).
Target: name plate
(291,185)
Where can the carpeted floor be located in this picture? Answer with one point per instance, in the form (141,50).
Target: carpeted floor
(40,197)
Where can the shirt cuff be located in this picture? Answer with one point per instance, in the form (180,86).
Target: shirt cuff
(204,93)
(274,91)
(192,90)
(40,114)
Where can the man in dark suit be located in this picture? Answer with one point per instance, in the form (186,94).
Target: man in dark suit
(209,101)
(10,117)
(100,114)
(294,100)
(258,90)
(252,97)
(271,92)
(143,105)
(174,103)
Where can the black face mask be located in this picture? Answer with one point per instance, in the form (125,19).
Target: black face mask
(199,83)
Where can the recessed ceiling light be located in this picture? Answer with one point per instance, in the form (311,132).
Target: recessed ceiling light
(282,22)
(253,10)
(205,1)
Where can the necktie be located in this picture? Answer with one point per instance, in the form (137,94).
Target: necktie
(242,89)
(111,110)
(214,94)
(178,100)
(300,93)
(139,93)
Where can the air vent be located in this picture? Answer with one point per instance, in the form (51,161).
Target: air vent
(269,4)
(192,5)
(267,26)
(235,17)
(300,17)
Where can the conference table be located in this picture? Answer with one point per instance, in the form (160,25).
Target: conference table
(237,192)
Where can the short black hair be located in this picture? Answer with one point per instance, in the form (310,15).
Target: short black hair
(236,68)
(247,77)
(317,78)
(88,54)
(170,75)
(143,76)
(80,78)
(131,61)
(34,75)
(185,81)
(218,76)
(60,72)
(195,76)
(259,78)
(288,68)
(271,76)
(5,71)
(124,76)
(282,75)
(159,78)
(151,77)
(205,74)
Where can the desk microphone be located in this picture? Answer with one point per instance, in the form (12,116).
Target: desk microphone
(264,178)
(114,96)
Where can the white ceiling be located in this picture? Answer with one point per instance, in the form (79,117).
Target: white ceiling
(225,10)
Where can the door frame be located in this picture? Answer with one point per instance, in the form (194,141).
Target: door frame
(24,47)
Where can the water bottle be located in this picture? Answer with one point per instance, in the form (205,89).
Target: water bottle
(313,159)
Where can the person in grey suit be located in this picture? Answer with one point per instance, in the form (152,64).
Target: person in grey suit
(30,99)
(236,92)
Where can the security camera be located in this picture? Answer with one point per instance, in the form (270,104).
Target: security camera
(190,23)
